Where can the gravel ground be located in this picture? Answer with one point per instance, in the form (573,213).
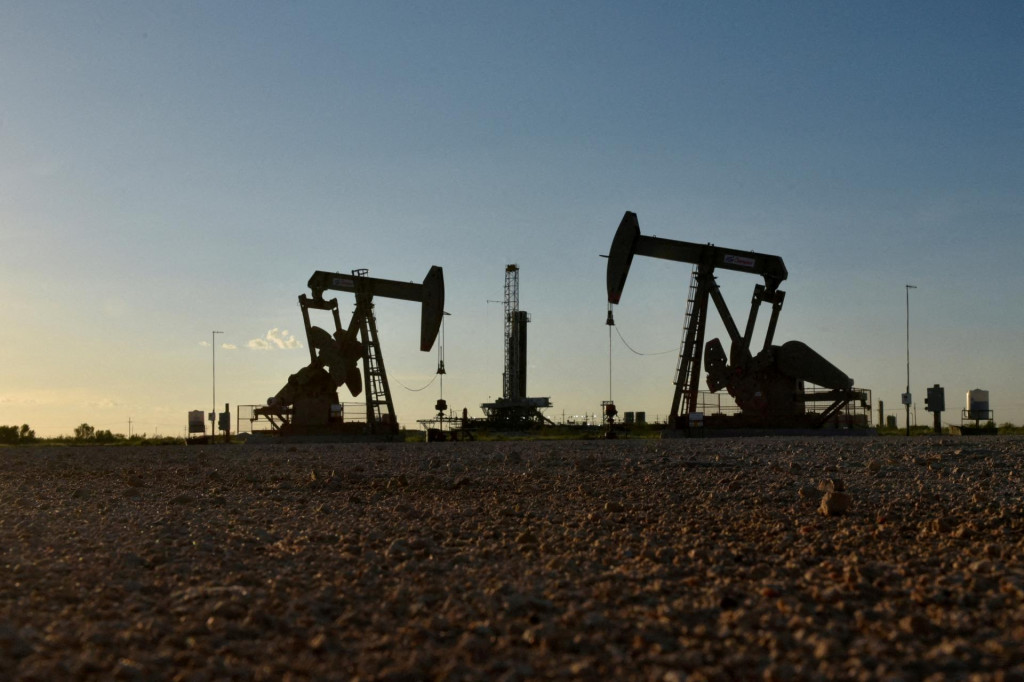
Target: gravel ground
(761,558)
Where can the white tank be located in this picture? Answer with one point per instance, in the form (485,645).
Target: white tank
(977,404)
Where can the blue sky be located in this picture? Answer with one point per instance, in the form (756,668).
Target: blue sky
(167,169)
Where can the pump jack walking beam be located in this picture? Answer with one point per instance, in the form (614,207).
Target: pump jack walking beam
(629,242)
(430,293)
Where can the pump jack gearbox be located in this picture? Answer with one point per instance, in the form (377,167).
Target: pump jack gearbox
(769,385)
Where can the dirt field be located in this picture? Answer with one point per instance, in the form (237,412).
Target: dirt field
(646,560)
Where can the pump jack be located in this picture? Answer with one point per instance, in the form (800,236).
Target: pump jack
(306,404)
(768,387)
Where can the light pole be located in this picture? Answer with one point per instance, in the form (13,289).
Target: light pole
(213,414)
(907,399)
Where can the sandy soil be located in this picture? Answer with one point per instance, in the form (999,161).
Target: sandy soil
(645,560)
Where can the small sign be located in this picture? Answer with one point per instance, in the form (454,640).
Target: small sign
(907,400)
(195,422)
(742,261)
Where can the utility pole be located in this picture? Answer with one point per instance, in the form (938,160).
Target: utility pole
(906,397)
(213,413)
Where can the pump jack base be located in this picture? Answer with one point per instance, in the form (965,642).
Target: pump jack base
(974,430)
(351,434)
(761,432)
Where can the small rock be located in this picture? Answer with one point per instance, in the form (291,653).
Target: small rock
(981,566)
(779,672)
(613,507)
(835,503)
(128,670)
(474,646)
(398,550)
(832,485)
(526,538)
(824,649)
(12,644)
(915,624)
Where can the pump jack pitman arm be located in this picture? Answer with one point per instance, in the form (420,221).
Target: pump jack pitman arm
(430,293)
(628,242)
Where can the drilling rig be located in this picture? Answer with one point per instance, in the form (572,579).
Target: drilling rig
(308,403)
(514,409)
(768,385)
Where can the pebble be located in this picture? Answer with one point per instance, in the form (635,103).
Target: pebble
(835,504)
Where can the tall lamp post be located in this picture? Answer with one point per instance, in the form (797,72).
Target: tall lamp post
(213,414)
(906,398)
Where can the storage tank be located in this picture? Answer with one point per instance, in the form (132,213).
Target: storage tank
(977,404)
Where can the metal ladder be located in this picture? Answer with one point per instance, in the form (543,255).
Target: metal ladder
(380,409)
(688,364)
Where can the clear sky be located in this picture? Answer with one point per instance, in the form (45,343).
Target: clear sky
(172,168)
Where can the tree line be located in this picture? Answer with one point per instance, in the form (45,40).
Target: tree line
(15,434)
(86,432)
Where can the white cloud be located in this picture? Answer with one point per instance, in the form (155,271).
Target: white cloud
(275,338)
(17,400)
(229,346)
(204,344)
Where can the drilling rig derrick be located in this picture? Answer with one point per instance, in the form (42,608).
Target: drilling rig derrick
(514,409)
